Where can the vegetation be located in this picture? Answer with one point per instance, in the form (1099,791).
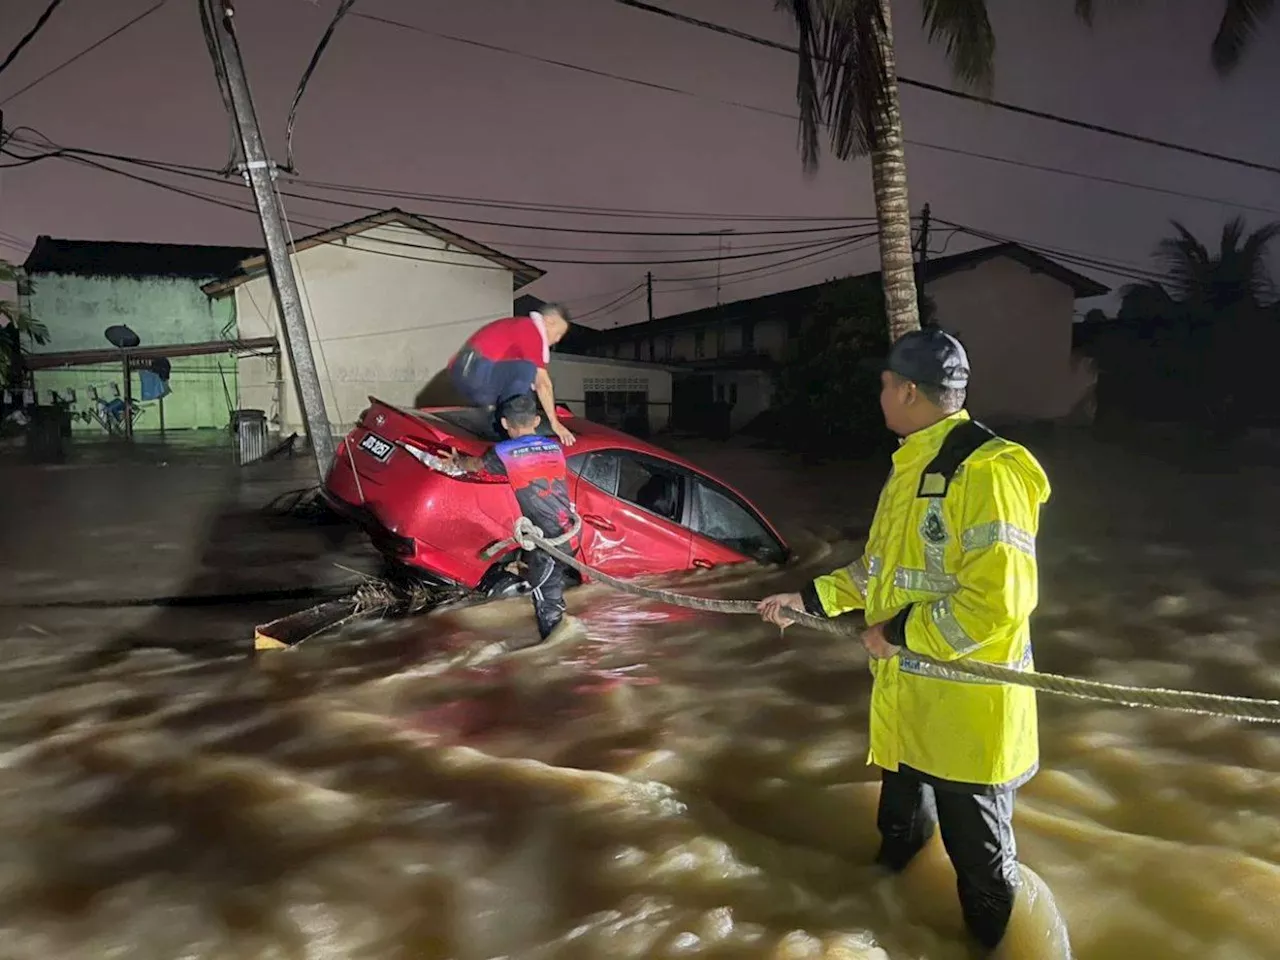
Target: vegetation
(827,395)
(15,327)
(847,83)
(1197,345)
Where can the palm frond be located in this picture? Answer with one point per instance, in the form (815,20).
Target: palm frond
(1240,21)
(8,272)
(842,74)
(964,29)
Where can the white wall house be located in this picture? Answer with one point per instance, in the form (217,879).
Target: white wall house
(614,392)
(388,299)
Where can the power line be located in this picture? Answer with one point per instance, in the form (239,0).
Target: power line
(30,35)
(214,176)
(85,52)
(344,7)
(666,88)
(960,95)
(66,155)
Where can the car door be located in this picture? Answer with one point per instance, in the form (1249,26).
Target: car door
(726,529)
(631,506)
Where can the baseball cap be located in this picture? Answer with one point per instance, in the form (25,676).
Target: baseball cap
(930,356)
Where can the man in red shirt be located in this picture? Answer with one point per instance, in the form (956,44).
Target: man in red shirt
(508,358)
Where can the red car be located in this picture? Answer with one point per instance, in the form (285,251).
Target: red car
(643,510)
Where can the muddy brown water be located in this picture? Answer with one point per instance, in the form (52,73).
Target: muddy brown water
(662,783)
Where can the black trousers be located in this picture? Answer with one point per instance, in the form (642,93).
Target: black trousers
(977,831)
(546,578)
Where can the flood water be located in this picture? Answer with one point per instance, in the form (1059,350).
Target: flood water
(665,783)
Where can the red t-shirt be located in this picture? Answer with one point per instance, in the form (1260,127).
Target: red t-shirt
(513,338)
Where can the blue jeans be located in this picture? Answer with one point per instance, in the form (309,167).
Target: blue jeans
(490,383)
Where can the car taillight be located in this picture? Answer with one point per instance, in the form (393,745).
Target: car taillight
(430,454)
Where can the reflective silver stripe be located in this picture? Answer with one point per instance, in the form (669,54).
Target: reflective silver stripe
(857,572)
(933,531)
(989,534)
(925,580)
(945,620)
(919,668)
(861,572)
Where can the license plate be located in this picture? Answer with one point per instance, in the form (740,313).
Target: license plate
(376,447)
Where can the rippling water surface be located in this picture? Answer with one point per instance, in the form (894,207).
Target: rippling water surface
(659,783)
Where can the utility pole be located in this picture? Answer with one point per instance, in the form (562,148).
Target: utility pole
(648,283)
(924,256)
(260,172)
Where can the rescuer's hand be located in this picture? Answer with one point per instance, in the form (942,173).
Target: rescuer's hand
(564,433)
(770,608)
(876,645)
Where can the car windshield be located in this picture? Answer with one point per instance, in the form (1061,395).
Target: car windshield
(473,421)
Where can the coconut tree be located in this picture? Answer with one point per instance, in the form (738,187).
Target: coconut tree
(15,324)
(847,82)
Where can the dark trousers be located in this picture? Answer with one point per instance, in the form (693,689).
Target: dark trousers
(489,383)
(546,578)
(978,834)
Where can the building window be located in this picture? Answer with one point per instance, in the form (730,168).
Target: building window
(651,352)
(669,346)
(625,410)
(749,337)
(699,344)
(720,337)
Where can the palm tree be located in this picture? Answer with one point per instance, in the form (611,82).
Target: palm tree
(15,324)
(847,82)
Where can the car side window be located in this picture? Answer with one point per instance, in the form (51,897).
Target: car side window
(601,470)
(719,516)
(650,485)
(574,464)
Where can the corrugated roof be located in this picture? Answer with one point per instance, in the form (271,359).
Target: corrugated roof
(115,258)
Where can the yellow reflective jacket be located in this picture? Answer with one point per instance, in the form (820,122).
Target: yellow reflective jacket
(951,571)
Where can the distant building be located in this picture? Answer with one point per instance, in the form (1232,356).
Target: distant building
(1012,307)
(80,288)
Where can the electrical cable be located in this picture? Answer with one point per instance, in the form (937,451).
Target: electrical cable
(960,95)
(30,35)
(805,245)
(923,144)
(344,8)
(208,28)
(83,53)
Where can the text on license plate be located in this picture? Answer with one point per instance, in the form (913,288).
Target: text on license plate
(376,447)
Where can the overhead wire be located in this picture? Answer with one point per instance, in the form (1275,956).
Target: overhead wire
(781,249)
(961,95)
(84,52)
(794,117)
(208,28)
(344,7)
(29,35)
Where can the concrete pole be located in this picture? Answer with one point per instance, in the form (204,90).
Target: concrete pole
(260,173)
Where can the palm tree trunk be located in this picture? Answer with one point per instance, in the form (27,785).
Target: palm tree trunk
(893,211)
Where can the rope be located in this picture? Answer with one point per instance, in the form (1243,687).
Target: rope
(528,537)
(491,551)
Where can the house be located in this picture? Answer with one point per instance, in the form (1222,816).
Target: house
(81,288)
(1012,307)
(631,396)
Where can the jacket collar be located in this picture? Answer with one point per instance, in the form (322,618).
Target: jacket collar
(924,442)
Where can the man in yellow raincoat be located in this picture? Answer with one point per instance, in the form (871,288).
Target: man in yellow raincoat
(948,574)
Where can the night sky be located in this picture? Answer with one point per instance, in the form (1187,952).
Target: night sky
(400,110)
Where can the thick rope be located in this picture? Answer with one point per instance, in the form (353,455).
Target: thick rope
(491,551)
(528,537)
